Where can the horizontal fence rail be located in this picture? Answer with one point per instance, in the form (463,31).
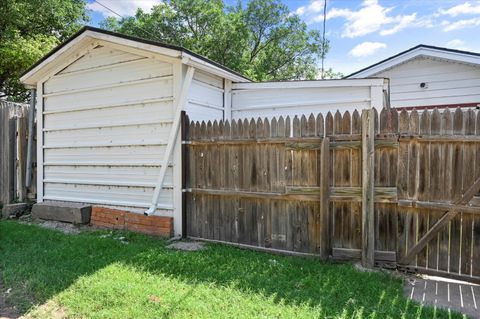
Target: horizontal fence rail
(308,185)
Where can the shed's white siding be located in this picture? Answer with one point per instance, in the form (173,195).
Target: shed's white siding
(205,99)
(304,97)
(106,122)
(447,83)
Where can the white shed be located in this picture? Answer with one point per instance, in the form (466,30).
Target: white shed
(428,76)
(108,112)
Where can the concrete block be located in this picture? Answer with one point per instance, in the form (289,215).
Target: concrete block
(76,213)
(13,209)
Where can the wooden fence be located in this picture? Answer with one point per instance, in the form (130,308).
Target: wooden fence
(397,189)
(13,153)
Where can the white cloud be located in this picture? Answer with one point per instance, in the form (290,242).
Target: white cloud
(460,24)
(405,22)
(464,8)
(371,17)
(366,48)
(122,7)
(313,9)
(300,11)
(457,44)
(315,6)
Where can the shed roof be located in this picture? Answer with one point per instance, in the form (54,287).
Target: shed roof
(31,76)
(421,50)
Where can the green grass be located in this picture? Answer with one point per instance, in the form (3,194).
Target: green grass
(95,275)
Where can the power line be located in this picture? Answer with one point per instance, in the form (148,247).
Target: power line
(108,9)
(137,26)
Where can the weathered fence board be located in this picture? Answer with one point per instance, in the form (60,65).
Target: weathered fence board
(13,152)
(300,185)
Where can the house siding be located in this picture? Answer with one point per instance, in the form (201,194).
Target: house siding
(447,83)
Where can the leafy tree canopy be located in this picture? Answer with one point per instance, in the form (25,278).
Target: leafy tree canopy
(28,30)
(262,40)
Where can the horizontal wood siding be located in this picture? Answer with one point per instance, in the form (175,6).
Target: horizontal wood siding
(270,102)
(107,118)
(205,98)
(448,83)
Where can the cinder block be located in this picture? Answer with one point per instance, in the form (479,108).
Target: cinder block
(13,209)
(75,213)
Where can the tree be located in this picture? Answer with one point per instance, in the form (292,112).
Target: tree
(262,40)
(28,30)
(330,74)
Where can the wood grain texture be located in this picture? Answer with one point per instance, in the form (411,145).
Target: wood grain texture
(13,153)
(302,185)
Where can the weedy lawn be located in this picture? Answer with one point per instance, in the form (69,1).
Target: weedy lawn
(125,275)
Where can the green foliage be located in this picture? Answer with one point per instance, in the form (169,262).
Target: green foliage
(28,30)
(262,40)
(330,74)
(125,275)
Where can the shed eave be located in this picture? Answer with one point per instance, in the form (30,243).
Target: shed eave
(41,68)
(32,76)
(425,51)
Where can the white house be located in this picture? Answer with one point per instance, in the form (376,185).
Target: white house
(108,113)
(428,76)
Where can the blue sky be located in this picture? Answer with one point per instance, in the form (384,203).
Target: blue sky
(364,32)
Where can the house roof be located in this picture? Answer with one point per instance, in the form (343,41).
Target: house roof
(421,50)
(28,77)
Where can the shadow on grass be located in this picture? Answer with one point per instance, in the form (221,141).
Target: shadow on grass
(39,263)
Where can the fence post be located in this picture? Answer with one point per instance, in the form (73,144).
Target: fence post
(184,136)
(368,229)
(324,200)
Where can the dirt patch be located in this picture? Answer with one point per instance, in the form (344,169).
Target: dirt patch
(6,312)
(66,228)
(50,310)
(187,245)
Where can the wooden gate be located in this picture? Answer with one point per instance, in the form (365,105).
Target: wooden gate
(391,189)
(259,183)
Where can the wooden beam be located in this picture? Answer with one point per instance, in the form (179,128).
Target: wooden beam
(352,193)
(448,216)
(280,252)
(368,169)
(440,138)
(439,206)
(253,194)
(356,254)
(184,135)
(171,139)
(324,249)
(40,150)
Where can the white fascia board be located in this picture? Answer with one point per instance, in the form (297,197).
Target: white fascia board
(419,52)
(200,64)
(33,76)
(452,56)
(43,68)
(135,44)
(30,79)
(309,84)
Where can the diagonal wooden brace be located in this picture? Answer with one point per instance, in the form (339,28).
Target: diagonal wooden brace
(448,216)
